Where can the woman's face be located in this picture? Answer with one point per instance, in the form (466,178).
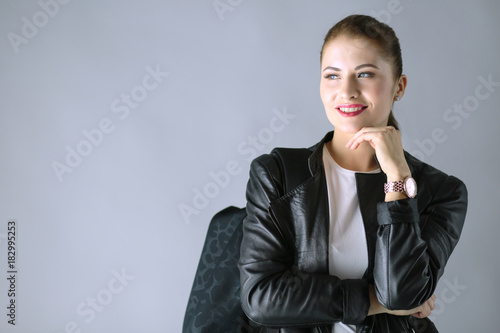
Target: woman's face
(357,85)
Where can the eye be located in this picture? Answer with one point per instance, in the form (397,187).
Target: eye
(365,74)
(331,76)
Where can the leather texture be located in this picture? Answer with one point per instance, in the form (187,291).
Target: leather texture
(285,285)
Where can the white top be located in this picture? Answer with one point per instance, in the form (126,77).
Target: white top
(348,252)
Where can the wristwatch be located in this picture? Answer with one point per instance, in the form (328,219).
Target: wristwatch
(407,185)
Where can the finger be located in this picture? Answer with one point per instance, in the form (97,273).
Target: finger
(417,315)
(426,313)
(360,133)
(369,136)
(355,137)
(426,310)
(432,302)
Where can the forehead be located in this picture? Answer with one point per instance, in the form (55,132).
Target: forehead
(344,51)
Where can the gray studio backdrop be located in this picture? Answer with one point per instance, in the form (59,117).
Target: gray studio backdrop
(125,125)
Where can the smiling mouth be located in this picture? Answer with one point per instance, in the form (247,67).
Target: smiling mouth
(350,110)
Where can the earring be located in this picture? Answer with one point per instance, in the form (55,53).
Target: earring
(398,98)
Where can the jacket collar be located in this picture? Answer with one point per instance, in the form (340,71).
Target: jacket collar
(316,158)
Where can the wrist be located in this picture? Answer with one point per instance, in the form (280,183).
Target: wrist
(399,171)
(400,189)
(397,176)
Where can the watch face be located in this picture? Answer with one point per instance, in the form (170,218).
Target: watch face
(410,187)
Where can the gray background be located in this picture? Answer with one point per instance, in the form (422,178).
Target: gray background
(119,209)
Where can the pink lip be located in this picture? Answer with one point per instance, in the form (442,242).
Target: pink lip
(351,114)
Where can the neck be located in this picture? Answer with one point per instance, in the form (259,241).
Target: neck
(361,159)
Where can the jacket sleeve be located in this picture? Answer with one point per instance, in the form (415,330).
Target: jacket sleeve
(274,292)
(412,248)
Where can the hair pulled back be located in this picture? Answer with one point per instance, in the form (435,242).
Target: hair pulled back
(380,34)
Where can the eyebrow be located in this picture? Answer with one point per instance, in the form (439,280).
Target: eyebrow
(358,67)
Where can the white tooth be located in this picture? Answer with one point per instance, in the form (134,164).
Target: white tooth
(350,109)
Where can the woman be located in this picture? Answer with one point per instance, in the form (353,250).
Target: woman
(360,244)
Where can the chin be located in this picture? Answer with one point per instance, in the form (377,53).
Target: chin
(349,128)
(344,126)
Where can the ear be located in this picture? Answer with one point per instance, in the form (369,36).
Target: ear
(401,86)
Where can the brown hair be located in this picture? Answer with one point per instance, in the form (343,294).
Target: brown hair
(382,35)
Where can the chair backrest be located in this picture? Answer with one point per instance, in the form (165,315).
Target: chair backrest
(214,303)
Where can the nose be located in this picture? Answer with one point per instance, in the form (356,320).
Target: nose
(349,88)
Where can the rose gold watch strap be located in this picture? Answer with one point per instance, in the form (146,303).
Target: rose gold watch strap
(394,187)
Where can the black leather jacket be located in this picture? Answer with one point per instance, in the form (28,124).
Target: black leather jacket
(285,284)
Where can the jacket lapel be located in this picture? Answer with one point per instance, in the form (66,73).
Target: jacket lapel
(303,215)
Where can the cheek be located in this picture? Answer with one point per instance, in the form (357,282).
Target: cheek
(326,92)
(383,94)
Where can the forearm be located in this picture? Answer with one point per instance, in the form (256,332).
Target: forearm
(403,278)
(414,242)
(274,292)
(289,299)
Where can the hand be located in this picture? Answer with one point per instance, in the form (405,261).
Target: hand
(388,148)
(422,311)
